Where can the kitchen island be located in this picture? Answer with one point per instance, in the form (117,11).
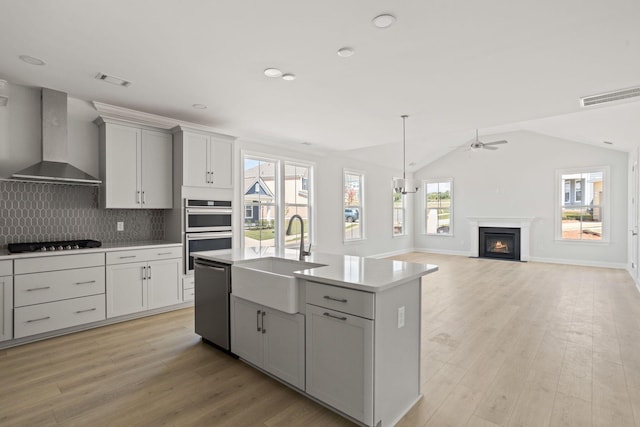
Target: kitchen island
(350,337)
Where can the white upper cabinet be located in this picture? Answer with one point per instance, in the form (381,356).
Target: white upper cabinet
(136,167)
(207,158)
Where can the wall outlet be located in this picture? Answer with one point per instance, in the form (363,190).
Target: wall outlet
(120,225)
(400,317)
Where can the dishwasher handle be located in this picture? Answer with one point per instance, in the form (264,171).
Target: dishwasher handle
(211,267)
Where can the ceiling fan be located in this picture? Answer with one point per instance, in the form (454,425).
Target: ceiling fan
(477,144)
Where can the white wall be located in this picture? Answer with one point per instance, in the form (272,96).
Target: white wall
(518,180)
(329,214)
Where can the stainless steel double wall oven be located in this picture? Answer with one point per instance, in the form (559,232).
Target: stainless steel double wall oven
(207,226)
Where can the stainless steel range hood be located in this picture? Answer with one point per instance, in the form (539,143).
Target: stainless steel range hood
(54,166)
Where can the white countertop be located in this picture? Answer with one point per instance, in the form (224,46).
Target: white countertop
(106,247)
(354,272)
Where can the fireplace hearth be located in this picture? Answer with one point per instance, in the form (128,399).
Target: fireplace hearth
(499,243)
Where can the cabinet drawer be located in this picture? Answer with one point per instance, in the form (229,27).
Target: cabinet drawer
(36,319)
(188,282)
(137,255)
(345,300)
(37,288)
(189,294)
(62,262)
(6,268)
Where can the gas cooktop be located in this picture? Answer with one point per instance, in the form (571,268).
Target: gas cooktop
(63,245)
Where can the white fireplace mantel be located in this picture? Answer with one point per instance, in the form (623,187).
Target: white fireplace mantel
(523,223)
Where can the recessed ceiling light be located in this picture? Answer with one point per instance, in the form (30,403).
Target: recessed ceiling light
(345,52)
(199,106)
(272,72)
(32,60)
(288,77)
(113,80)
(384,20)
(607,142)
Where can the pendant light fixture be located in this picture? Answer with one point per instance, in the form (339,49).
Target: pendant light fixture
(404,185)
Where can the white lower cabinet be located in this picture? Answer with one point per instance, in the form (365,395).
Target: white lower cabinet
(142,280)
(188,288)
(126,286)
(57,292)
(340,361)
(269,339)
(6,300)
(39,318)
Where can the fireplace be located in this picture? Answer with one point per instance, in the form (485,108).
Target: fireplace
(499,242)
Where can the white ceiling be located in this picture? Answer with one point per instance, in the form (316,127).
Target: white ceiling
(453,66)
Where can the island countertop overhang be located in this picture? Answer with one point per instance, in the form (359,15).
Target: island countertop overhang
(348,271)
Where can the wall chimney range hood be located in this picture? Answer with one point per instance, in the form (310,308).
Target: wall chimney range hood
(54,166)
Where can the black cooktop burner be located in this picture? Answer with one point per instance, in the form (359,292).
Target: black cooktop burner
(64,245)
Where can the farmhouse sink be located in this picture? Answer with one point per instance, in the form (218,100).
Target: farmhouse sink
(269,281)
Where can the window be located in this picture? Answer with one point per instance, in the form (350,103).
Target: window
(274,190)
(582,213)
(398,215)
(260,198)
(439,207)
(353,205)
(296,201)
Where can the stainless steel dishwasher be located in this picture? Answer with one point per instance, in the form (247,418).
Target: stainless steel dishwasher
(212,287)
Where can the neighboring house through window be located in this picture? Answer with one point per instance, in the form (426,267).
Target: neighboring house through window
(438,204)
(274,190)
(582,212)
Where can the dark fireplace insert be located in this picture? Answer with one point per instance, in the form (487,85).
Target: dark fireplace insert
(500,243)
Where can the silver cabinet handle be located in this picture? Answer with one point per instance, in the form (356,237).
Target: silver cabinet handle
(164,253)
(39,320)
(149,272)
(634,233)
(88,282)
(334,317)
(39,289)
(86,311)
(208,177)
(128,256)
(335,299)
(258,321)
(144,199)
(264,330)
(144,273)
(137,197)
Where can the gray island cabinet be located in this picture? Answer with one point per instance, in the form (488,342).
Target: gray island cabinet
(353,343)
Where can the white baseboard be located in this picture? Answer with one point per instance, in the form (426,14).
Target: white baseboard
(636,281)
(442,252)
(584,263)
(393,253)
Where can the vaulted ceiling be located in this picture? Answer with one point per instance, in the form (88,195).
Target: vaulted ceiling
(452,66)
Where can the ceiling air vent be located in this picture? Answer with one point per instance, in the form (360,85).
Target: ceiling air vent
(113,80)
(617,95)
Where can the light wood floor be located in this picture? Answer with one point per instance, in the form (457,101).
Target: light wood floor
(503,344)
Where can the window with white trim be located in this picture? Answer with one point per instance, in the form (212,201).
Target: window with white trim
(273,191)
(438,207)
(353,203)
(399,211)
(582,209)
